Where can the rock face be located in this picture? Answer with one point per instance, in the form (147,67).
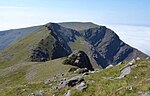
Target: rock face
(108,48)
(56,44)
(79,59)
(105,46)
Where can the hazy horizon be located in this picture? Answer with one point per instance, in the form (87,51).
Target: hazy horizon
(25,13)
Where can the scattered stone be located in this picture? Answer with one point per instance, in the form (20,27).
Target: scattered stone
(144,93)
(138,58)
(23,90)
(96,70)
(130,88)
(47,81)
(133,66)
(81,70)
(50,84)
(62,74)
(74,80)
(92,71)
(41,92)
(62,84)
(85,73)
(127,69)
(54,88)
(147,58)
(132,62)
(135,77)
(81,86)
(109,66)
(32,94)
(68,93)
(125,72)
(119,63)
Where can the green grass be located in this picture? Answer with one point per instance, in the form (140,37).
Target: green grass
(138,80)
(77,45)
(31,71)
(21,51)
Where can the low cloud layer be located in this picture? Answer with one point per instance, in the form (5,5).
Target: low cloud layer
(136,36)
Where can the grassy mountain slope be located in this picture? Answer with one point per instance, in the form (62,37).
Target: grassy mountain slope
(31,72)
(21,50)
(132,85)
(52,41)
(9,37)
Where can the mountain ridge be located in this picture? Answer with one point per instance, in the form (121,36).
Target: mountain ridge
(102,45)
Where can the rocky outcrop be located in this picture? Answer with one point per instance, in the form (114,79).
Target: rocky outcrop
(81,86)
(79,59)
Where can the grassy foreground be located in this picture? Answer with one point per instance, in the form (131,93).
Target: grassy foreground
(136,82)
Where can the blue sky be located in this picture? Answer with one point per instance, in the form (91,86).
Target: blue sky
(22,13)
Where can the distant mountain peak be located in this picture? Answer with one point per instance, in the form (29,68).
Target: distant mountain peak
(56,40)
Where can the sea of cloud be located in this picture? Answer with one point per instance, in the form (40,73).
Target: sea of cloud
(136,36)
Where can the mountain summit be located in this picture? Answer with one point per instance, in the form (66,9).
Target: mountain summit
(56,40)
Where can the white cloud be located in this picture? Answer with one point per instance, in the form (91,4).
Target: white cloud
(136,36)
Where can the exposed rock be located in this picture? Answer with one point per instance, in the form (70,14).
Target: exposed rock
(40,55)
(32,94)
(67,82)
(81,86)
(86,73)
(130,88)
(147,58)
(144,93)
(68,93)
(79,59)
(138,58)
(94,71)
(132,62)
(62,84)
(81,70)
(119,63)
(50,84)
(124,72)
(75,80)
(23,90)
(41,92)
(109,66)
(47,81)
(127,69)
(109,48)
